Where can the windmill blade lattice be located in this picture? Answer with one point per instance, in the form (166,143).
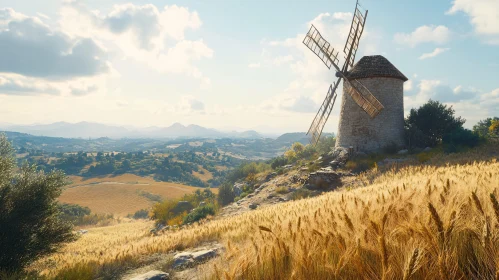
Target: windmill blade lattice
(364,98)
(320,119)
(322,48)
(352,43)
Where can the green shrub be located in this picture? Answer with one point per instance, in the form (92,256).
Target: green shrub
(72,212)
(225,194)
(141,214)
(30,220)
(278,162)
(199,213)
(459,138)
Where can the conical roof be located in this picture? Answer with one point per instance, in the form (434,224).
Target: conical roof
(374,66)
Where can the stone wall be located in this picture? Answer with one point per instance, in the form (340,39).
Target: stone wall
(364,134)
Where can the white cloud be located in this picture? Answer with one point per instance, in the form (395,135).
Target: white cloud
(19,85)
(254,65)
(436,90)
(343,16)
(44,16)
(484,14)
(144,33)
(424,34)
(31,48)
(434,53)
(408,86)
(283,59)
(187,105)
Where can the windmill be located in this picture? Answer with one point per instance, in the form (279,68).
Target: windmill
(360,94)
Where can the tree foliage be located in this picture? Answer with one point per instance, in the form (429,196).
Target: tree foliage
(225,194)
(460,137)
(427,125)
(494,128)
(325,144)
(483,126)
(30,222)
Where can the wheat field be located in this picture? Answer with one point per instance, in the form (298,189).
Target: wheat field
(119,195)
(434,221)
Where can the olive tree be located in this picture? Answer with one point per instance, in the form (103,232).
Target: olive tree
(30,222)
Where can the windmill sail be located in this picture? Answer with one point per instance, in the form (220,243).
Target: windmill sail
(352,43)
(364,98)
(320,119)
(318,45)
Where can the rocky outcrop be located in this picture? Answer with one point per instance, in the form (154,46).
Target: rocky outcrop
(238,188)
(152,275)
(336,158)
(324,179)
(188,259)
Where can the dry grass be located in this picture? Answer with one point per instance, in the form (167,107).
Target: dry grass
(203,177)
(438,221)
(119,195)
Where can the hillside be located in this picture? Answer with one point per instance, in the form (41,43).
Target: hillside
(120,195)
(431,221)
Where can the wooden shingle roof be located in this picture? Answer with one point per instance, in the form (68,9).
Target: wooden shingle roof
(374,66)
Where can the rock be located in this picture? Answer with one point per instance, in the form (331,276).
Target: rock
(82,231)
(270,176)
(339,154)
(253,206)
(152,275)
(238,188)
(182,260)
(304,169)
(203,255)
(202,203)
(323,179)
(270,196)
(280,199)
(403,152)
(187,259)
(250,195)
(427,149)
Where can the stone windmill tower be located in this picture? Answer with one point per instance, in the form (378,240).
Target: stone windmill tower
(372,112)
(356,129)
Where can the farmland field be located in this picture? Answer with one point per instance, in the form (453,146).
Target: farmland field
(119,195)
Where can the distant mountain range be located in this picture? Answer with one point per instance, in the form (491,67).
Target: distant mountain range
(96,130)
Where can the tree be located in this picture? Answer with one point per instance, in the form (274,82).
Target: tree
(430,123)
(290,155)
(298,148)
(225,194)
(482,127)
(494,128)
(325,144)
(30,222)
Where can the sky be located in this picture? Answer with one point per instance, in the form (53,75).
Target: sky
(232,64)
